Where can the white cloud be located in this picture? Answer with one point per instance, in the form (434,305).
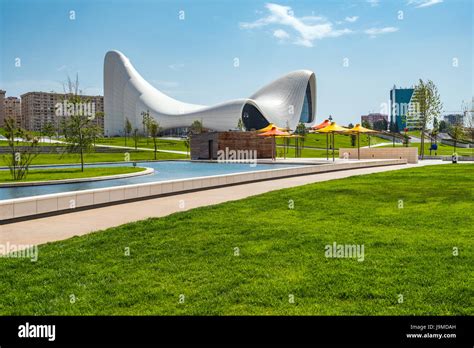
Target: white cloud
(351,19)
(374,32)
(61,68)
(281,34)
(373,3)
(424,3)
(308,28)
(176,67)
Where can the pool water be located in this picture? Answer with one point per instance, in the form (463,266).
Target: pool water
(165,170)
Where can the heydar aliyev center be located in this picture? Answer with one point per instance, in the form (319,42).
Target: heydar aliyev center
(285,102)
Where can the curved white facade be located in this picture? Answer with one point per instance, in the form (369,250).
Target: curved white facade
(127,94)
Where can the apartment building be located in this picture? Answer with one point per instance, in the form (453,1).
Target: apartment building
(12,107)
(41,108)
(2,107)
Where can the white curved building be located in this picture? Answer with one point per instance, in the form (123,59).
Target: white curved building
(285,102)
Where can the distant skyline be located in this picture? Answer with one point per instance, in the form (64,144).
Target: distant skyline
(207,52)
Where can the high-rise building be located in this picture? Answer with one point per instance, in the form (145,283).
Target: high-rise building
(13,110)
(2,107)
(41,108)
(402,108)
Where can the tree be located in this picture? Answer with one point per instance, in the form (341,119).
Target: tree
(18,160)
(380,125)
(427,102)
(468,113)
(154,130)
(146,122)
(127,129)
(435,123)
(135,137)
(49,130)
(366,124)
(80,134)
(443,126)
(301,131)
(240,124)
(196,127)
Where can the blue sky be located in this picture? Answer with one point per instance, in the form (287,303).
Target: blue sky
(193,59)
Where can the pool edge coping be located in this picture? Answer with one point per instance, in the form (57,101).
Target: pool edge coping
(94,198)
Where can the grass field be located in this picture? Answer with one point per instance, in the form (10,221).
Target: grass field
(68,173)
(319,140)
(162,144)
(281,252)
(306,153)
(99,157)
(443,150)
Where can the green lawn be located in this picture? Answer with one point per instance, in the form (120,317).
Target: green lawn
(162,144)
(408,252)
(340,140)
(99,157)
(443,150)
(69,173)
(24,143)
(306,153)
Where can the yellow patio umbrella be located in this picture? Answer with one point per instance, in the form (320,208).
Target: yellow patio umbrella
(357,129)
(269,128)
(331,129)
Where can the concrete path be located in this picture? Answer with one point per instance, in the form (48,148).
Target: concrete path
(39,231)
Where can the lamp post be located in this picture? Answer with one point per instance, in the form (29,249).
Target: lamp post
(327,140)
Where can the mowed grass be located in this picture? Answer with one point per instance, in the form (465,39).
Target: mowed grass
(305,153)
(340,140)
(162,144)
(68,173)
(281,252)
(95,157)
(443,150)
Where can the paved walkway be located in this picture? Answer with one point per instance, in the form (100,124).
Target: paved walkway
(39,231)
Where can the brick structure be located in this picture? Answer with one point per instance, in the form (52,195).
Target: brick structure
(207,145)
(408,153)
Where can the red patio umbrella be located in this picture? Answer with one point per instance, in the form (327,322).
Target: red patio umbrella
(323,124)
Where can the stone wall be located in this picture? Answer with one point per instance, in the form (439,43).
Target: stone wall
(408,153)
